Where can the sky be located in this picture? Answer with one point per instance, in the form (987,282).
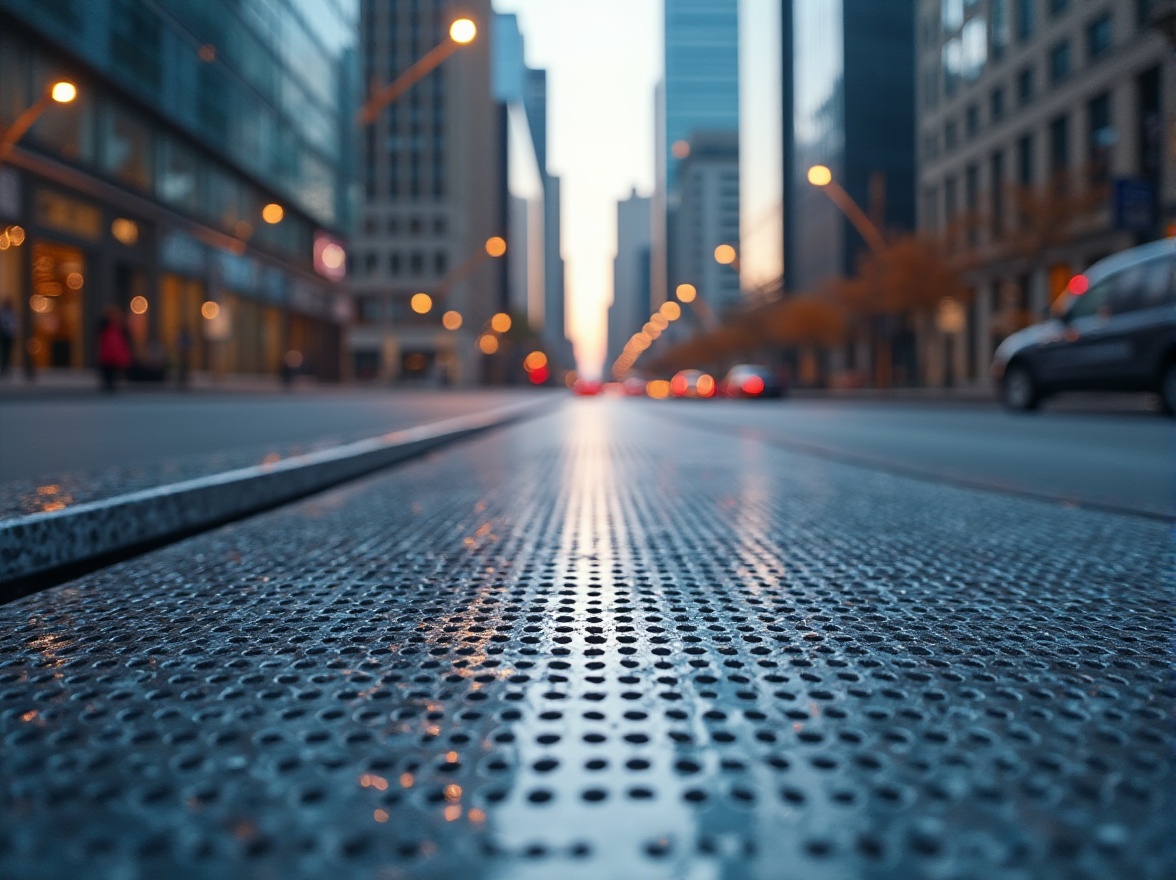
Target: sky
(603,58)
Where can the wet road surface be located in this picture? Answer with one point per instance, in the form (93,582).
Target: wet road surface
(594,646)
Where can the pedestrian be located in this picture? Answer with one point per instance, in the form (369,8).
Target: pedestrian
(114,347)
(7,335)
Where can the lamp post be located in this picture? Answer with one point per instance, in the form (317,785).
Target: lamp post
(821,177)
(61,92)
(461,33)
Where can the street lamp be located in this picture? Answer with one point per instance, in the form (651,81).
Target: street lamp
(61,92)
(461,33)
(821,177)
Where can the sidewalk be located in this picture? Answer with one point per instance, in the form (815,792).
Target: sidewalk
(62,381)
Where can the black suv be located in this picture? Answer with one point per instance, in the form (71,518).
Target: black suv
(1114,330)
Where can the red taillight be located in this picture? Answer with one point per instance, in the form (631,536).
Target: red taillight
(678,385)
(1078,285)
(753,385)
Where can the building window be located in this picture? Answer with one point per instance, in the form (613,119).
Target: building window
(369,264)
(931,208)
(416,263)
(440,263)
(950,135)
(996,193)
(1143,13)
(1025,160)
(1026,19)
(395,264)
(414,226)
(1025,86)
(1059,62)
(972,120)
(950,207)
(998,22)
(1101,138)
(393,225)
(997,104)
(1059,146)
(972,199)
(439,226)
(1098,37)
(1057,7)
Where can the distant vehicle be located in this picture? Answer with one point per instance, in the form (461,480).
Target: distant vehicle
(750,380)
(1114,330)
(692,383)
(587,387)
(634,386)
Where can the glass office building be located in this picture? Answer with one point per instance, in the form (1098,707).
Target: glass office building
(150,191)
(852,105)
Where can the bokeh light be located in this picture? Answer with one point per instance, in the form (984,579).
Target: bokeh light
(534,361)
(500,323)
(725,254)
(496,246)
(139,305)
(210,310)
(463,31)
(686,292)
(670,310)
(658,389)
(421,303)
(706,385)
(273,213)
(63,92)
(680,149)
(488,344)
(820,175)
(451,320)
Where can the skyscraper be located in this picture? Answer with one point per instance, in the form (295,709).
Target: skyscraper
(699,94)
(200,180)
(853,103)
(630,306)
(431,172)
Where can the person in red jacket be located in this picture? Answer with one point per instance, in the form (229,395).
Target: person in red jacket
(114,347)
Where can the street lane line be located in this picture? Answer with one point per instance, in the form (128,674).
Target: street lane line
(32,547)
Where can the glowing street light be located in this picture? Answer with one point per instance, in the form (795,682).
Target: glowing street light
(725,255)
(686,293)
(273,213)
(821,177)
(60,92)
(421,303)
(500,323)
(451,320)
(495,246)
(461,33)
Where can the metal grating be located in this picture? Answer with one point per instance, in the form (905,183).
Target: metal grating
(589,647)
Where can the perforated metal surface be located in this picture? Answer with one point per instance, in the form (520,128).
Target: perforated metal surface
(597,646)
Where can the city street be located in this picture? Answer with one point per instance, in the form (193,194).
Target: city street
(621,639)
(68,450)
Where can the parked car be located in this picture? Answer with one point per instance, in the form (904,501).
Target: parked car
(750,380)
(692,383)
(1113,330)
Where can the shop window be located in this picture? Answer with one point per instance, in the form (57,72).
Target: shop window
(178,180)
(56,304)
(126,147)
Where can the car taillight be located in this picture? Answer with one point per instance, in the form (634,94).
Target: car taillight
(753,385)
(678,385)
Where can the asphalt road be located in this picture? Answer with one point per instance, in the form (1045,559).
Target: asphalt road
(1122,460)
(70,449)
(604,643)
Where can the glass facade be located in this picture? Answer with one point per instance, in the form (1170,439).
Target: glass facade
(191,117)
(849,59)
(702,73)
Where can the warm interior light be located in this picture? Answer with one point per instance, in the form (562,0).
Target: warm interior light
(463,31)
(687,292)
(124,230)
(820,175)
(421,303)
(210,310)
(273,213)
(670,310)
(725,254)
(63,92)
(496,246)
(500,323)
(488,344)
(139,305)
(451,320)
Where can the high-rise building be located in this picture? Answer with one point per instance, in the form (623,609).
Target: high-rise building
(201,180)
(707,216)
(1042,147)
(851,99)
(431,198)
(699,94)
(630,306)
